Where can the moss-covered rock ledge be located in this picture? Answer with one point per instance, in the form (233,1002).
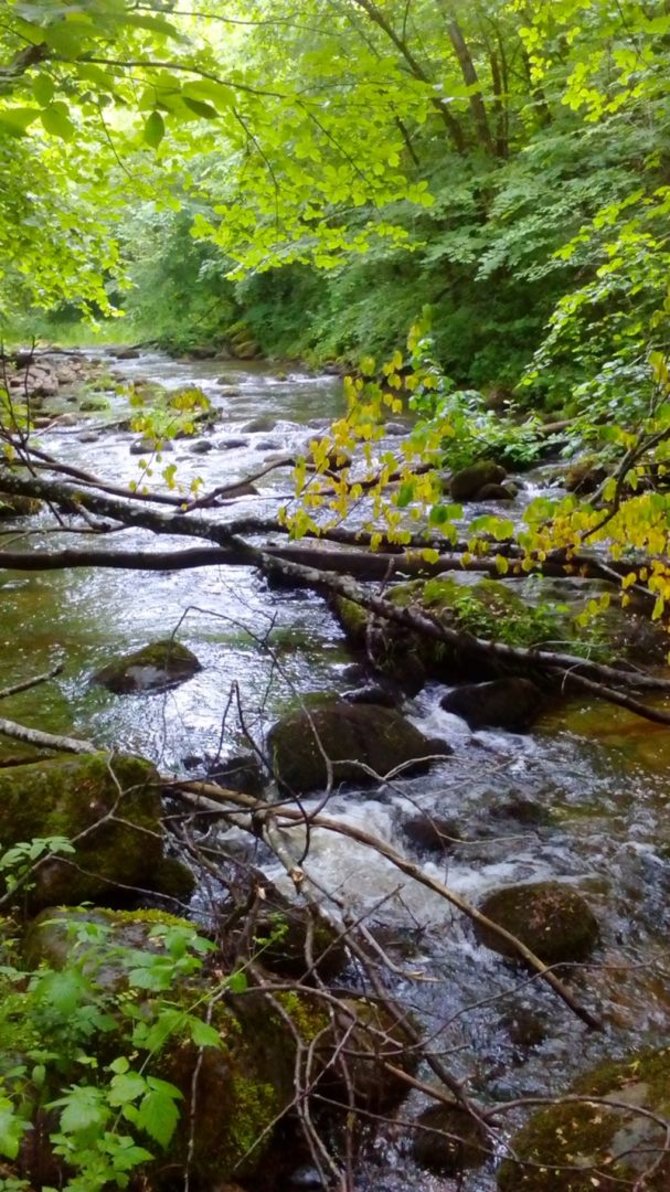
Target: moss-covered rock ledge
(109,808)
(488,609)
(608,1145)
(236,1127)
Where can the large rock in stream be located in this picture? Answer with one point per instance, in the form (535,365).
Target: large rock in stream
(362,742)
(155,667)
(550,918)
(600,1145)
(109,807)
(467,484)
(513,704)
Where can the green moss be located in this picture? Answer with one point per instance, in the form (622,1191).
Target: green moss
(553,920)
(610,1148)
(155,666)
(113,801)
(14,506)
(309,1016)
(353,619)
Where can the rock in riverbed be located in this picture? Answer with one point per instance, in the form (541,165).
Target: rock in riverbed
(156,667)
(550,918)
(513,704)
(605,1144)
(362,741)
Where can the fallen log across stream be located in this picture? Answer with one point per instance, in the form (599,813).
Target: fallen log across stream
(329,572)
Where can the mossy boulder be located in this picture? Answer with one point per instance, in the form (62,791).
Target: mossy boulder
(550,918)
(466,484)
(155,667)
(361,741)
(496,492)
(488,609)
(513,703)
(110,808)
(449,1141)
(244,1085)
(579,1146)
(15,506)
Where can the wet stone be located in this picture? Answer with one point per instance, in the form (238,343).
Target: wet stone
(155,667)
(513,704)
(550,918)
(449,1141)
(430,833)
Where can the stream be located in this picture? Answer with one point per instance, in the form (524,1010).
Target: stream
(583,799)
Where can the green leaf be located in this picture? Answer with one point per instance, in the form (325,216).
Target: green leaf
(125,1087)
(43,89)
(62,991)
(202,1034)
(154,130)
(207,89)
(405,494)
(12,1129)
(85,1109)
(158,1114)
(237,982)
(200,108)
(17,120)
(57,122)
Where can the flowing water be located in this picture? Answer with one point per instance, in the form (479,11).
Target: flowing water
(601,775)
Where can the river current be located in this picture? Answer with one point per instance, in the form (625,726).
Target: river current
(602,775)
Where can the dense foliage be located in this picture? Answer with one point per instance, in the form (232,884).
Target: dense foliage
(505,163)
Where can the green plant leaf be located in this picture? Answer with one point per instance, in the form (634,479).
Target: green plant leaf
(202,1034)
(200,108)
(56,121)
(158,1113)
(154,129)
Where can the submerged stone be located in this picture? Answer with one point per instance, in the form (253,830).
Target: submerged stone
(263,424)
(431,833)
(155,667)
(550,918)
(363,743)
